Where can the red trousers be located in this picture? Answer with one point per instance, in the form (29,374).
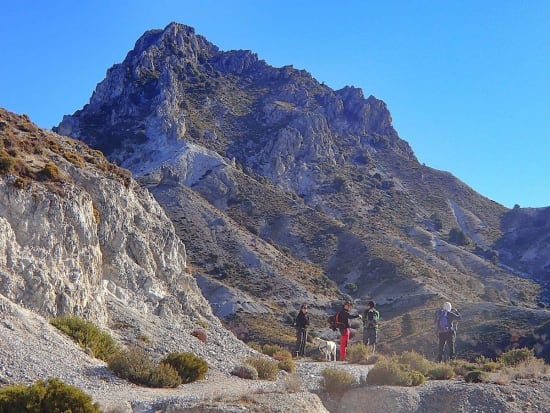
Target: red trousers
(344,343)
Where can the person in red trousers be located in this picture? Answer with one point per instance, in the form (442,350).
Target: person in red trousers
(343,323)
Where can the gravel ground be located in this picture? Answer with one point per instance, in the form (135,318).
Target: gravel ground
(31,349)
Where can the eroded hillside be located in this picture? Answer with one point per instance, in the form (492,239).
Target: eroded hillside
(308,189)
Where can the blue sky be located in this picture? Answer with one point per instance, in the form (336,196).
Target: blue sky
(467,82)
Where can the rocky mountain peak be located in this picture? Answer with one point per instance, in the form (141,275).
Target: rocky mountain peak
(173,81)
(299,192)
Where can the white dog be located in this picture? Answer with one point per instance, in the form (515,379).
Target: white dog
(327,347)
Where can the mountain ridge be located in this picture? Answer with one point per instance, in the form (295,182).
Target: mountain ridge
(375,221)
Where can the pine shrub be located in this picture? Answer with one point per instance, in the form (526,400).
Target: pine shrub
(189,366)
(336,380)
(87,335)
(46,396)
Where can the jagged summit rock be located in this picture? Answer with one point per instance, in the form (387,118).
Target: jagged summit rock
(174,83)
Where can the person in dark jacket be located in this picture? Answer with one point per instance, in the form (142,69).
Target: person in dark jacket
(343,321)
(301,323)
(371,317)
(445,322)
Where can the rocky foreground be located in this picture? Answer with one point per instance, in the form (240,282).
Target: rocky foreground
(49,354)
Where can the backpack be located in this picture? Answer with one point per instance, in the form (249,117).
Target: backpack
(442,321)
(334,321)
(370,321)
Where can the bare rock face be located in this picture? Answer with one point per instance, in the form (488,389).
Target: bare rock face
(64,251)
(79,236)
(51,260)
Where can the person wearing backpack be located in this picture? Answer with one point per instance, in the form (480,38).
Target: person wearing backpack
(345,330)
(301,323)
(446,322)
(371,316)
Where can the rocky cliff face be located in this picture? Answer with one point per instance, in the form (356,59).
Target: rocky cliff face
(80,236)
(311,192)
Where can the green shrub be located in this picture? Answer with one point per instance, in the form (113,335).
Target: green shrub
(267,369)
(287,365)
(417,378)
(441,372)
(51,172)
(75,158)
(255,345)
(336,380)
(6,162)
(133,365)
(46,396)
(189,366)
(416,361)
(462,367)
(475,376)
(359,353)
(245,372)
(282,355)
(164,375)
(389,372)
(491,366)
(87,335)
(271,349)
(514,357)
(488,364)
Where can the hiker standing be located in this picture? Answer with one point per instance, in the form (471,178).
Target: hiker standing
(371,316)
(343,320)
(446,320)
(301,323)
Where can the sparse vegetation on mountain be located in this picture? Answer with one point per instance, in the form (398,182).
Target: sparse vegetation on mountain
(286,191)
(260,189)
(99,343)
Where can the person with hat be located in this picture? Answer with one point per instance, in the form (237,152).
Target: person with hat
(445,322)
(345,330)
